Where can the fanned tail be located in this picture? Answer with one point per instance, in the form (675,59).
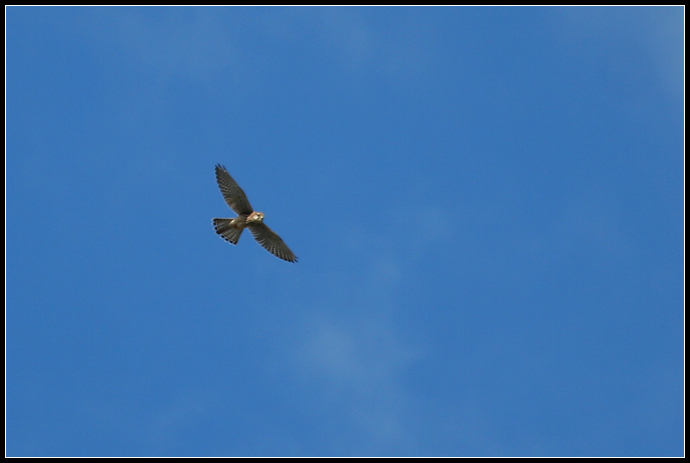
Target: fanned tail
(227,231)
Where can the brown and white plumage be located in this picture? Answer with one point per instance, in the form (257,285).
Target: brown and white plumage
(231,229)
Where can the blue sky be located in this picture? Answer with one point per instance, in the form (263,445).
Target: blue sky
(487,205)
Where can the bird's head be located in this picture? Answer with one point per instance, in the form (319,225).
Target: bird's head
(255,217)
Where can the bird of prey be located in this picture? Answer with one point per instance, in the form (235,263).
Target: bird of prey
(231,229)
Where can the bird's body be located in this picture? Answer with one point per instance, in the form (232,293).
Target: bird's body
(231,229)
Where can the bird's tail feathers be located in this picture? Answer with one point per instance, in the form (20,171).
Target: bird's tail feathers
(227,231)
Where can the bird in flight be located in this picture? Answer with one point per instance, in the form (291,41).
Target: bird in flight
(231,229)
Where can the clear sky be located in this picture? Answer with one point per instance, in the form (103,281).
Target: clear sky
(487,205)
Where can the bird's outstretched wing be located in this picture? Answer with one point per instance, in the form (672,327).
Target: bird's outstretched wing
(272,242)
(233,194)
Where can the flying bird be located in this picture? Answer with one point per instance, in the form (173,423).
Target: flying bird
(231,229)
